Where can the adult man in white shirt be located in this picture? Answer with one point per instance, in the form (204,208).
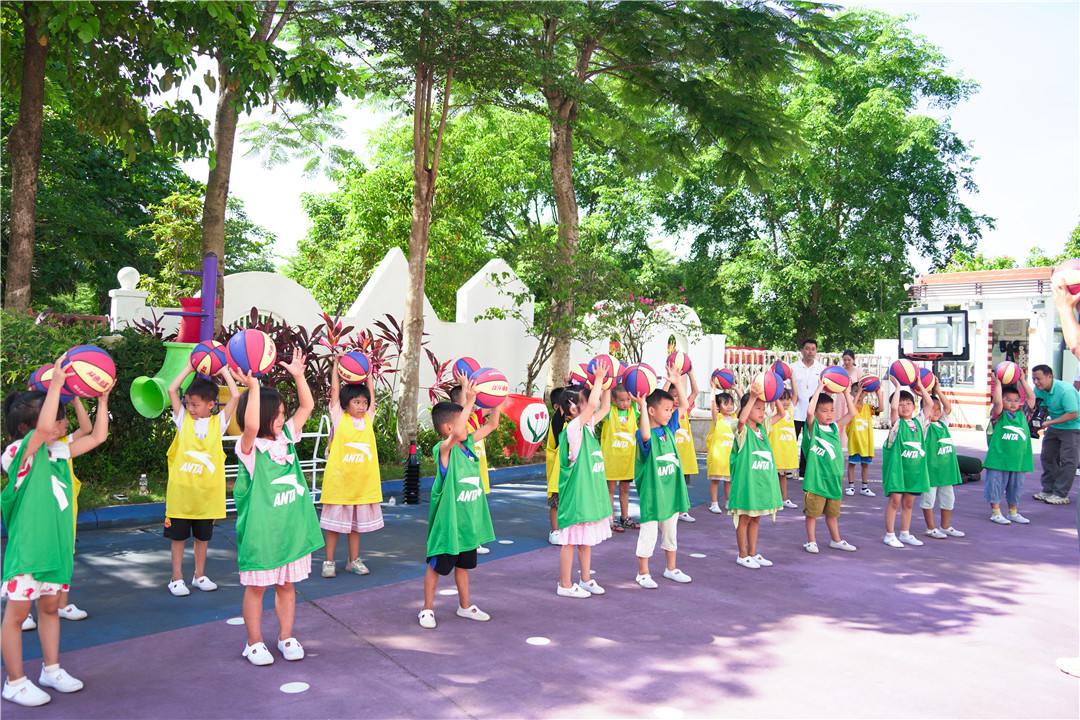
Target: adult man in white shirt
(805,376)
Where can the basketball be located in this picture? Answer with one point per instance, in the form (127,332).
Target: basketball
(927,379)
(251,351)
(640,380)
(466,366)
(593,368)
(681,361)
(782,369)
(623,367)
(1008,372)
(208,358)
(767,386)
(1070,272)
(870,383)
(723,379)
(491,387)
(904,371)
(354,367)
(579,374)
(42,377)
(836,379)
(95,371)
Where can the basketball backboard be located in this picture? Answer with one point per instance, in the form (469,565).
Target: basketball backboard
(934,335)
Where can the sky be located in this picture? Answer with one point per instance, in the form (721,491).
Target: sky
(1023,125)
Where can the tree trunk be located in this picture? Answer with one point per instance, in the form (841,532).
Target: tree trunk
(24,146)
(217,182)
(562,180)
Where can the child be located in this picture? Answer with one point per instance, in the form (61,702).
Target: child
(617,441)
(195,495)
(942,468)
(459,520)
(860,437)
(904,473)
(784,448)
(37,510)
(719,441)
(684,439)
(551,458)
(352,485)
(824,466)
(276,525)
(658,477)
(754,490)
(1008,454)
(476,419)
(584,502)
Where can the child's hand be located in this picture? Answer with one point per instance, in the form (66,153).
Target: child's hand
(295,367)
(672,373)
(59,371)
(1062,297)
(821,384)
(245,379)
(468,390)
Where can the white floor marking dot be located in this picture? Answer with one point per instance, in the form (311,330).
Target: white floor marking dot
(537,641)
(668,713)
(506,542)
(448,591)
(294,687)
(235,621)
(697,555)
(592,572)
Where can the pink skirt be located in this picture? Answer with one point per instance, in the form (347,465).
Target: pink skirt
(351,518)
(295,571)
(586,533)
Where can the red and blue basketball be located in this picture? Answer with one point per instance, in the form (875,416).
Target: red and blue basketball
(927,379)
(782,369)
(579,374)
(1069,271)
(836,379)
(251,351)
(1008,372)
(723,379)
(208,358)
(640,380)
(466,366)
(870,383)
(491,387)
(354,367)
(41,378)
(593,368)
(904,371)
(681,361)
(623,367)
(95,371)
(768,386)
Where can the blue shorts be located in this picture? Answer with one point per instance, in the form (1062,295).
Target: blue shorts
(854,459)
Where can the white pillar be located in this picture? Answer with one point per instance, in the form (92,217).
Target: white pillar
(127,304)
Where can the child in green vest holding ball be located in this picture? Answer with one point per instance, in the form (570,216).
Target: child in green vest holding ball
(754,490)
(824,479)
(942,467)
(1008,453)
(904,469)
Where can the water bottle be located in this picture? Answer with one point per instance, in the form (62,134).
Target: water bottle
(142,485)
(393,501)
(411,484)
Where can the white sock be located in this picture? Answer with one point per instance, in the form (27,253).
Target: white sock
(16,683)
(51,668)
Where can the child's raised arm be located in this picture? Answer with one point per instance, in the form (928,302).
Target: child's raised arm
(693,390)
(335,381)
(813,406)
(924,396)
(252,417)
(946,404)
(714,411)
(369,383)
(85,426)
(643,426)
(1066,306)
(100,431)
(174,389)
(46,420)
(849,410)
(490,424)
(894,401)
(675,388)
(460,431)
(295,367)
(995,396)
(744,412)
(234,396)
(1029,391)
(597,395)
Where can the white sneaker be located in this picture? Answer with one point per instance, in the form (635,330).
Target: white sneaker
(1018,518)
(178,588)
(427,619)
(70,612)
(60,681)
(29,624)
(592,587)
(1000,519)
(646,582)
(677,575)
(909,539)
(867,492)
(553,537)
(685,517)
(811,547)
(204,583)
(25,693)
(1041,495)
(473,613)
(891,541)
(258,654)
(329,569)
(790,505)
(291,649)
(715,508)
(762,561)
(952,532)
(850,490)
(482,550)
(358,567)
(842,545)
(748,562)
(936,534)
(572,592)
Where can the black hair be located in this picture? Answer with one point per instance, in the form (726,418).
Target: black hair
(454,394)
(1010,390)
(21,411)
(824,399)
(657,396)
(807,340)
(849,353)
(348,391)
(618,388)
(202,389)
(785,395)
(556,396)
(571,394)
(444,412)
(744,400)
(1044,369)
(270,401)
(905,395)
(721,397)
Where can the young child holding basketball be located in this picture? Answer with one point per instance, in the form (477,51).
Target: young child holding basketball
(37,510)
(942,468)
(860,438)
(459,520)
(784,448)
(754,490)
(195,495)
(476,420)
(276,525)
(718,443)
(684,439)
(658,477)
(617,442)
(352,484)
(824,466)
(551,459)
(1008,454)
(584,502)
(904,471)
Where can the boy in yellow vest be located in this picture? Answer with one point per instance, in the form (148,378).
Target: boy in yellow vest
(860,439)
(782,440)
(718,445)
(617,443)
(195,495)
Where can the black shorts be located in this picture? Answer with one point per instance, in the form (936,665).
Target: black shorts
(445,564)
(183,528)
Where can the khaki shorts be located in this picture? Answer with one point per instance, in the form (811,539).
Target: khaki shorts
(814,505)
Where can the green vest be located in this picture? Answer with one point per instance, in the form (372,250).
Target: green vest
(904,466)
(754,482)
(276,522)
(39,519)
(941,463)
(824,460)
(658,478)
(583,494)
(1009,444)
(458,520)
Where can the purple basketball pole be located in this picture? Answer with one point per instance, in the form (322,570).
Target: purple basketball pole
(209,295)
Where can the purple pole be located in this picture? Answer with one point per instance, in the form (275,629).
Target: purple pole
(209,295)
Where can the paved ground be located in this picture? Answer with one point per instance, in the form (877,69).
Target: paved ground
(961,628)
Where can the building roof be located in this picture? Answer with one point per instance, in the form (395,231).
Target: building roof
(985,276)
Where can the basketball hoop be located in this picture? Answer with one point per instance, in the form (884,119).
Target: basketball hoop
(927,357)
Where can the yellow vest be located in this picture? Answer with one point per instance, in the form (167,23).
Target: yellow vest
(684,442)
(860,432)
(475,423)
(551,458)
(76,486)
(196,489)
(352,468)
(617,443)
(782,439)
(719,442)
